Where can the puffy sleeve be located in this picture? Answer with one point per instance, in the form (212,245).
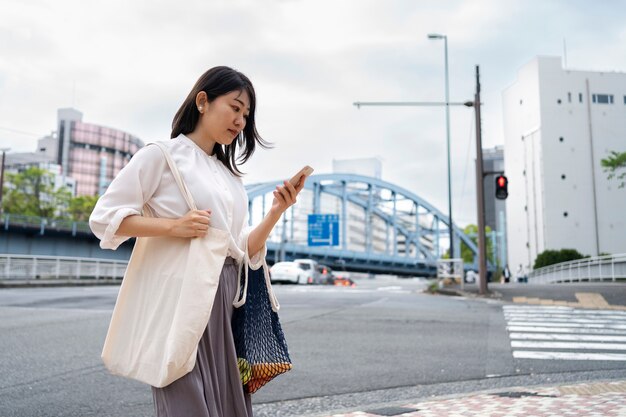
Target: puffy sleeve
(258,259)
(126,195)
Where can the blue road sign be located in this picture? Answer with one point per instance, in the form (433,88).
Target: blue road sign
(323,229)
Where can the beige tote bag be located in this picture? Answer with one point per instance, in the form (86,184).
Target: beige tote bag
(164,302)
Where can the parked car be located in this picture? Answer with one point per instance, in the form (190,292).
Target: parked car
(288,272)
(300,271)
(326,273)
(341,279)
(471,276)
(312,269)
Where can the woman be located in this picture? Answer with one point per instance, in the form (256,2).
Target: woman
(215,120)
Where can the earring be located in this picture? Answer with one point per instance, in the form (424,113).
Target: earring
(200,109)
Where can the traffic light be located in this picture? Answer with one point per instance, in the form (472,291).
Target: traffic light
(502,184)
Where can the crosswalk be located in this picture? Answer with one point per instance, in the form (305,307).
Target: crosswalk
(566,333)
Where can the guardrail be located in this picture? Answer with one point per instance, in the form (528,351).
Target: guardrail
(599,268)
(42,224)
(33,267)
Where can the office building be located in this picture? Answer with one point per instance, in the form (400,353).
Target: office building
(559,124)
(89,153)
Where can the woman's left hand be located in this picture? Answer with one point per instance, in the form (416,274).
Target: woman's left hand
(285,196)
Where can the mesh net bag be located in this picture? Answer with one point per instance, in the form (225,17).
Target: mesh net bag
(262,352)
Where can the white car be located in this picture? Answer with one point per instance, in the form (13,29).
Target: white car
(311,267)
(471,276)
(289,272)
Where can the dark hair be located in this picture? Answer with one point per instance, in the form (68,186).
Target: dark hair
(216,82)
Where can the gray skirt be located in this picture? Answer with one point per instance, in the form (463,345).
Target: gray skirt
(213,388)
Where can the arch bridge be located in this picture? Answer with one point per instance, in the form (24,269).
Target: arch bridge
(383,228)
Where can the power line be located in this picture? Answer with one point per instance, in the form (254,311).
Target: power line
(21,132)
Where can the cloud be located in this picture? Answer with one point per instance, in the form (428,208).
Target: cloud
(129,65)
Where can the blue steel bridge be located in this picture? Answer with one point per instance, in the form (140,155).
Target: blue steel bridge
(383,228)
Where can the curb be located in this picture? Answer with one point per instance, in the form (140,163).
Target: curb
(460,293)
(56,283)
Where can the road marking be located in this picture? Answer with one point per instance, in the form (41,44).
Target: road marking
(567,324)
(570,356)
(557,309)
(579,337)
(562,330)
(340,290)
(391,288)
(585,300)
(552,314)
(545,332)
(567,345)
(554,319)
(591,299)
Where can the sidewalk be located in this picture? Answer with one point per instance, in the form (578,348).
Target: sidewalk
(583,399)
(610,296)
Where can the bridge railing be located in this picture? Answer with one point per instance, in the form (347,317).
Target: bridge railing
(42,224)
(598,268)
(33,267)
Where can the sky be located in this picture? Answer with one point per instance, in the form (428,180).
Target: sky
(130,64)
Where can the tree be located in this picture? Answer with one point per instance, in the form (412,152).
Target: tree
(471,230)
(614,163)
(551,257)
(32,193)
(81,207)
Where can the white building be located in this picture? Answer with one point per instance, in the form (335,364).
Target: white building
(558,125)
(18,162)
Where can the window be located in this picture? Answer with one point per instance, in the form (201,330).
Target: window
(580,97)
(602,98)
(569,97)
(624,99)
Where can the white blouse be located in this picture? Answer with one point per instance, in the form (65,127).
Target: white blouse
(147,180)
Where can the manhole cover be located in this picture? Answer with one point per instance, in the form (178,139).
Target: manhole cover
(520,394)
(391,411)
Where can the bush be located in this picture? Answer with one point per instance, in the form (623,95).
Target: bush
(551,257)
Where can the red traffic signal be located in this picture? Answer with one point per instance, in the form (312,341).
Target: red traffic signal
(502,184)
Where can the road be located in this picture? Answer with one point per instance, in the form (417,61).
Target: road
(380,341)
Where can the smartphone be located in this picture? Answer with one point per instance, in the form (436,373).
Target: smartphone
(303,173)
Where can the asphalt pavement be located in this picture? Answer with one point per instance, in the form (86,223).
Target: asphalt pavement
(382,347)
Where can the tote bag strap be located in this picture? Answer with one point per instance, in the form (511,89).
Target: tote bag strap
(177,177)
(244,266)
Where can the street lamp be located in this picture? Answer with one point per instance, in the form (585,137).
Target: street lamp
(445,43)
(4,151)
(479,166)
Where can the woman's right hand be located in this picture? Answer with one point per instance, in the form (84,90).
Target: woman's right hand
(193,224)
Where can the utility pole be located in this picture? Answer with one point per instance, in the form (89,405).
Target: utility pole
(480,192)
(4,151)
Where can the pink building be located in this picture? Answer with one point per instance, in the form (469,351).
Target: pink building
(89,153)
